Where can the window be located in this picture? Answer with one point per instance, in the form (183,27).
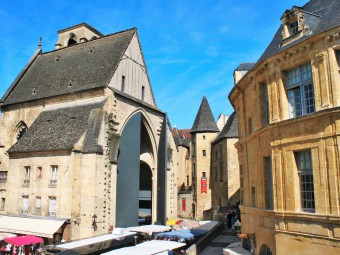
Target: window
(250,126)
(38,205)
(204,153)
(52,210)
(253,197)
(294,28)
(54,175)
(143,93)
(204,137)
(204,174)
(3,176)
(123,84)
(300,90)
(27,174)
(39,172)
(268,179)
(25,204)
(305,171)
(265,105)
(187,180)
(21,130)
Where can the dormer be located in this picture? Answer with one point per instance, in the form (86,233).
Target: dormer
(76,34)
(293,24)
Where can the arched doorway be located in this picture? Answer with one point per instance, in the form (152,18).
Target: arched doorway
(145,193)
(135,181)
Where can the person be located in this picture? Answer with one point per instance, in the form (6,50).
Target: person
(225,221)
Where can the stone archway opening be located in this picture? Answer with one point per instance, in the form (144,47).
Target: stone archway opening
(145,194)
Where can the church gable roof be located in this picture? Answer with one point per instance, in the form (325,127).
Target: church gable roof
(230,129)
(60,129)
(80,67)
(204,121)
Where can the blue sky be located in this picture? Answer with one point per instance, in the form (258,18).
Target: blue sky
(190,47)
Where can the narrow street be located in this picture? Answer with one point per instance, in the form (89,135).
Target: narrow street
(219,243)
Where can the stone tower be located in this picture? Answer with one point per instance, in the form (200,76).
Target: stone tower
(203,131)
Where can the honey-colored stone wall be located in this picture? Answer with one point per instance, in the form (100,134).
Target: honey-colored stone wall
(288,229)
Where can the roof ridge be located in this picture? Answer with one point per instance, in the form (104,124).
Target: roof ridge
(82,43)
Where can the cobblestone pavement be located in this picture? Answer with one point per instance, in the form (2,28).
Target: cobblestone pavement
(219,243)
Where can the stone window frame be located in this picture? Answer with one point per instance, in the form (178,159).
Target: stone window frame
(268,183)
(304,163)
(300,90)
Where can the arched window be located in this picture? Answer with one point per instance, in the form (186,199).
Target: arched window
(265,250)
(21,130)
(72,40)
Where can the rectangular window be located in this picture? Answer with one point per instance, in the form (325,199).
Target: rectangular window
(250,126)
(253,197)
(25,205)
(204,152)
(184,205)
(52,209)
(204,137)
(37,202)
(265,105)
(293,27)
(187,180)
(268,179)
(54,175)
(27,174)
(204,174)
(305,171)
(3,176)
(122,88)
(39,172)
(300,90)
(143,93)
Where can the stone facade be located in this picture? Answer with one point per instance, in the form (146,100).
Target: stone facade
(288,107)
(62,136)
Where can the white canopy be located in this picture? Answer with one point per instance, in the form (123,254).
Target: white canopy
(169,245)
(149,228)
(37,226)
(134,250)
(6,235)
(93,240)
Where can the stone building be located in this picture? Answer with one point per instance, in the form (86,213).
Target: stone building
(83,146)
(224,177)
(184,172)
(288,108)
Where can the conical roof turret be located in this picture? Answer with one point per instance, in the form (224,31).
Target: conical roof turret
(204,121)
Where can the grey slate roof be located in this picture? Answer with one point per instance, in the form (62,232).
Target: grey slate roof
(60,129)
(245,66)
(204,121)
(230,129)
(328,10)
(72,69)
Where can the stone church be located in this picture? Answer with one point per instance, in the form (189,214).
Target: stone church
(83,145)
